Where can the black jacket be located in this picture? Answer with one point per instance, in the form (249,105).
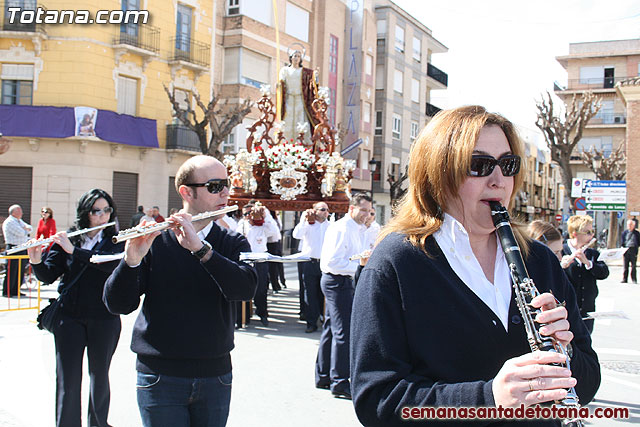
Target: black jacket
(634,241)
(420,337)
(185,327)
(84,298)
(584,281)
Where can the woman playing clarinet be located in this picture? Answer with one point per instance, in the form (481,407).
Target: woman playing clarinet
(434,319)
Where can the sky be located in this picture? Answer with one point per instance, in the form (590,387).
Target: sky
(502,52)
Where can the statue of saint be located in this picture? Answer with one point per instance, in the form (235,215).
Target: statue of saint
(298,88)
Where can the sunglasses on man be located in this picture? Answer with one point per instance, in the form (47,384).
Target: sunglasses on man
(214,186)
(482,165)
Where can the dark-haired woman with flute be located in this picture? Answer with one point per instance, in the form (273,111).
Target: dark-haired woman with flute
(434,319)
(84,321)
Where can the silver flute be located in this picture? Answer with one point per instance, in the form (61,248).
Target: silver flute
(143,230)
(46,241)
(525,291)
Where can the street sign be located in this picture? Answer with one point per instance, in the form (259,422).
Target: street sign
(606,207)
(576,187)
(580,203)
(610,184)
(605,195)
(606,199)
(558,217)
(351,146)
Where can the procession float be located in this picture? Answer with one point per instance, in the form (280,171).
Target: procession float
(285,167)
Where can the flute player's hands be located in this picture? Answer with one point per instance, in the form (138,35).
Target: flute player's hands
(185,232)
(137,248)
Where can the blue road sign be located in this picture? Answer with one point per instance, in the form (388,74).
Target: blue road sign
(606,184)
(620,214)
(580,204)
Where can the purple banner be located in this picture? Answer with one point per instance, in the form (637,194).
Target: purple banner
(60,122)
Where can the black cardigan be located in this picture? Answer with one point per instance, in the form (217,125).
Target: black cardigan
(84,298)
(584,281)
(421,337)
(185,327)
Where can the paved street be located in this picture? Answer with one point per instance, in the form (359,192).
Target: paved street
(273,367)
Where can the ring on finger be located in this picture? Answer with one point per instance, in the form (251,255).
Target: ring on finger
(531,386)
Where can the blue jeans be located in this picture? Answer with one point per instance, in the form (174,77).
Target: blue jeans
(183,402)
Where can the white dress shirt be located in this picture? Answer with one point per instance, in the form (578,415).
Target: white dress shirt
(588,265)
(343,239)
(311,237)
(453,239)
(257,235)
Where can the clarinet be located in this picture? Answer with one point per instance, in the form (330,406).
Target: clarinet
(525,290)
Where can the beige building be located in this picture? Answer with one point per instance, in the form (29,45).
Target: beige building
(405,78)
(598,67)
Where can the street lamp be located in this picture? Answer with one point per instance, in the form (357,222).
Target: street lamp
(373,164)
(597,164)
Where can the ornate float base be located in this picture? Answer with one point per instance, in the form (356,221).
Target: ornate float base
(341,206)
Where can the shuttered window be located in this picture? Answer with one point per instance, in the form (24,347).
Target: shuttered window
(125,195)
(127,95)
(175,201)
(255,68)
(16,183)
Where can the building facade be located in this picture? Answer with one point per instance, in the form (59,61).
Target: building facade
(129,145)
(405,78)
(598,67)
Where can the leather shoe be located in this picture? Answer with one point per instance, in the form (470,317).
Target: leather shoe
(310,329)
(264,321)
(324,385)
(623,281)
(342,393)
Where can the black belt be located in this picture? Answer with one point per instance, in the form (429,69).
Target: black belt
(315,259)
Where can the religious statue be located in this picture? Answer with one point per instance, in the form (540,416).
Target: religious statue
(298,88)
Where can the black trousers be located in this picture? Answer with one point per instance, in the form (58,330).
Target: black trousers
(276,269)
(100,338)
(313,296)
(332,362)
(15,270)
(260,299)
(630,257)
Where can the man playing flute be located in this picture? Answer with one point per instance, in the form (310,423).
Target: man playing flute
(189,274)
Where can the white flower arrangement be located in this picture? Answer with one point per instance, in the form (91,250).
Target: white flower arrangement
(290,154)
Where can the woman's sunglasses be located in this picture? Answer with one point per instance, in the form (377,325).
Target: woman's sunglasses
(482,165)
(214,186)
(97,212)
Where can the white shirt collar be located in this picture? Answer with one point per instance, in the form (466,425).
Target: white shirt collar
(202,234)
(453,240)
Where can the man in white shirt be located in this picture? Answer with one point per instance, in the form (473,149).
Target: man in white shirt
(16,233)
(257,233)
(343,239)
(311,235)
(274,247)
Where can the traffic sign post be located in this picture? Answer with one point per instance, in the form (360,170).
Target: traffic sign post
(559,218)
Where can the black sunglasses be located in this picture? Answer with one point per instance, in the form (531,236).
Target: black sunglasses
(214,186)
(484,165)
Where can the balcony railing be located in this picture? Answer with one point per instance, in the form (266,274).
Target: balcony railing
(188,50)
(437,74)
(141,36)
(29,6)
(608,119)
(432,110)
(590,83)
(182,138)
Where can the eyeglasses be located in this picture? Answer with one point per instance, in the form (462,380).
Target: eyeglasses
(45,211)
(246,213)
(484,165)
(588,232)
(214,186)
(322,209)
(98,212)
